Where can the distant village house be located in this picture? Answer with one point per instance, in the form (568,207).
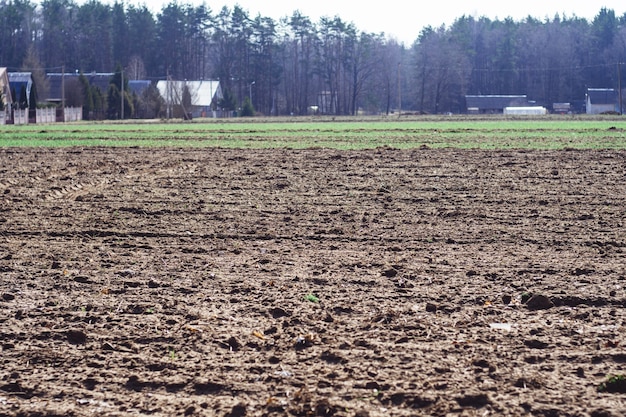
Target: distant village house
(494,104)
(602,100)
(21,86)
(203,96)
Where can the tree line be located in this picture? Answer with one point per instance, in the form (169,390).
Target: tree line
(295,65)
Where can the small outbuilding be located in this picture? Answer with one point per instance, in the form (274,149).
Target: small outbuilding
(21,85)
(525,111)
(494,104)
(562,108)
(602,100)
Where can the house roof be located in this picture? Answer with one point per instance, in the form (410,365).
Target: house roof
(496,101)
(602,95)
(202,92)
(55,80)
(138,86)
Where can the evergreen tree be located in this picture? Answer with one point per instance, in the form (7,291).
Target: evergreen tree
(99,104)
(114,96)
(186,103)
(33,65)
(87,96)
(228,101)
(150,103)
(247,110)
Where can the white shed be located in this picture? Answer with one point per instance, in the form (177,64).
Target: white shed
(525,111)
(602,100)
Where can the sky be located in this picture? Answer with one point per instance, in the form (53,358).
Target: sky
(404,22)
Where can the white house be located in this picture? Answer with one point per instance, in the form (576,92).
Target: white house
(204,95)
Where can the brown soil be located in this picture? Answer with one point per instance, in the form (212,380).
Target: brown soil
(313,282)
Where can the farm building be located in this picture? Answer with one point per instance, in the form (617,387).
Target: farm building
(138,86)
(101,80)
(57,79)
(21,84)
(525,111)
(204,96)
(602,100)
(561,108)
(493,104)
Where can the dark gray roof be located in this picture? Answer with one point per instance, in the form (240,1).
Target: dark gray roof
(494,102)
(98,79)
(138,86)
(602,95)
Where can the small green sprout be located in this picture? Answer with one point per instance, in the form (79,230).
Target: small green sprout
(614,383)
(312,298)
(172,353)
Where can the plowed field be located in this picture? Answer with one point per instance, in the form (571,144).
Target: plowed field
(311,282)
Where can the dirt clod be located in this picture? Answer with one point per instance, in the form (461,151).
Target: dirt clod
(539,302)
(76,337)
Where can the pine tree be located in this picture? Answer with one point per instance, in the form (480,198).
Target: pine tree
(33,65)
(248,108)
(186,103)
(114,110)
(228,101)
(87,96)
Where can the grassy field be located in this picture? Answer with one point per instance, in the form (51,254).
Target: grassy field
(350,133)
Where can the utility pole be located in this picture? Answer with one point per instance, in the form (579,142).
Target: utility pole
(619,86)
(251,84)
(63,92)
(168,93)
(399,92)
(122,94)
(211,100)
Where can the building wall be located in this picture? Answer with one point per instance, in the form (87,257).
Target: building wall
(601,108)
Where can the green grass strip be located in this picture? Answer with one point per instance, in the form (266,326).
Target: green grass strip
(462,133)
